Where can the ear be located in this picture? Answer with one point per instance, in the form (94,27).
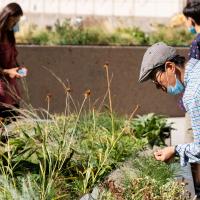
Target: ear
(170,67)
(191,21)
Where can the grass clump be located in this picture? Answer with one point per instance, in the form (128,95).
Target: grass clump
(142,178)
(147,188)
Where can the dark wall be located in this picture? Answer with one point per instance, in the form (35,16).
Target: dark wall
(82,67)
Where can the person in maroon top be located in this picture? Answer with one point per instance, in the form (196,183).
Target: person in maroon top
(9,92)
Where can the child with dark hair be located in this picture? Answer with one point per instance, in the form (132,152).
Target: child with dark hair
(192,14)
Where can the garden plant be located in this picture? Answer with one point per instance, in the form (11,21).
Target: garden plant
(46,156)
(62,33)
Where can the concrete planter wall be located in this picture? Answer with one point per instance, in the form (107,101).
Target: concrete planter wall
(82,67)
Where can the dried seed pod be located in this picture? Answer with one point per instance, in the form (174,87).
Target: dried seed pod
(68,90)
(106,65)
(49,97)
(87,93)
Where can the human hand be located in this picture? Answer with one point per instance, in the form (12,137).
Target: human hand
(13,72)
(165,154)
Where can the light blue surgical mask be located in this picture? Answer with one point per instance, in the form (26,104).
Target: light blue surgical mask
(177,89)
(192,30)
(16,28)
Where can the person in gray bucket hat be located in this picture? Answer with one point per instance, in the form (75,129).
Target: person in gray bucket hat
(170,72)
(151,60)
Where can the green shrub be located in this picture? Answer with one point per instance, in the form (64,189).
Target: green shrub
(64,34)
(172,36)
(134,36)
(151,127)
(41,38)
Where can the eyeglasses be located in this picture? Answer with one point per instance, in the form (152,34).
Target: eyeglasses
(158,85)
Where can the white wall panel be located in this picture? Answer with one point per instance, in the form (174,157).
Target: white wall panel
(140,8)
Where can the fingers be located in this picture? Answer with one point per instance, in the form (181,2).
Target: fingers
(16,68)
(13,73)
(164,154)
(18,75)
(159,151)
(158,155)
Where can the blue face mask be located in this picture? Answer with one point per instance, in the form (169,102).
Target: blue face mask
(16,28)
(177,89)
(192,30)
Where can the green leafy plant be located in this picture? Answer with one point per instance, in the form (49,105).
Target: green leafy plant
(152,127)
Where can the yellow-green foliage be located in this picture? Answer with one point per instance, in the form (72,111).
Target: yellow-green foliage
(65,34)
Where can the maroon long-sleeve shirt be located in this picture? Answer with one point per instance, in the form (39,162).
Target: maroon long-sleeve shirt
(9,92)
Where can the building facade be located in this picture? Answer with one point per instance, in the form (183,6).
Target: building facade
(45,12)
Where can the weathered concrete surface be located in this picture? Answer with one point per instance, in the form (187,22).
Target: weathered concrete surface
(179,135)
(82,67)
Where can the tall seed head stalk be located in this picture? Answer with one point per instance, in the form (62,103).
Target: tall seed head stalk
(106,66)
